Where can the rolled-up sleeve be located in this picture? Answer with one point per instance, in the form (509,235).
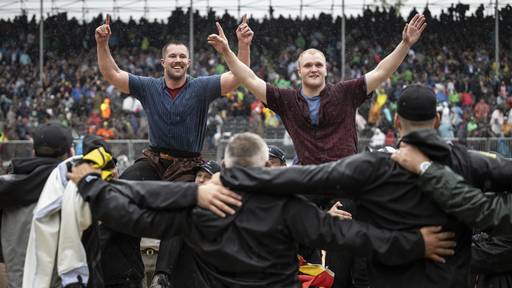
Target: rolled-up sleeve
(207,87)
(275,99)
(136,85)
(355,90)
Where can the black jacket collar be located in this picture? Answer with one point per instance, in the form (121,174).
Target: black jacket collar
(430,143)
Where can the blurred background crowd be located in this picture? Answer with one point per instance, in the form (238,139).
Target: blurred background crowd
(455,57)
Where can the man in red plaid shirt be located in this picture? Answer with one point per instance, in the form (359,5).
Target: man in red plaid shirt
(320,117)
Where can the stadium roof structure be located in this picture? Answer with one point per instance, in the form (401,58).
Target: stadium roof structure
(161,9)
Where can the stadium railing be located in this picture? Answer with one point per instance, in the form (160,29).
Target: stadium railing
(128,151)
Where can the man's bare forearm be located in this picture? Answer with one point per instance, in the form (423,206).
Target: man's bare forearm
(106,62)
(244,74)
(387,66)
(110,70)
(391,62)
(244,54)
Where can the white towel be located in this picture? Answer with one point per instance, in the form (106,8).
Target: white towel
(60,217)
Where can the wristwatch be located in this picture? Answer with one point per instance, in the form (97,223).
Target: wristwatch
(424,166)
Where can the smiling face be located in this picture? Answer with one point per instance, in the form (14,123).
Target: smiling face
(175,61)
(312,68)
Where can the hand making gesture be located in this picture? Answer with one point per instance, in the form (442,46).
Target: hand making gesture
(244,32)
(413,29)
(103,32)
(219,41)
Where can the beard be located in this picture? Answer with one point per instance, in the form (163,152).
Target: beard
(174,76)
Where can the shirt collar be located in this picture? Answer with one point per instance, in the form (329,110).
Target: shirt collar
(317,97)
(162,80)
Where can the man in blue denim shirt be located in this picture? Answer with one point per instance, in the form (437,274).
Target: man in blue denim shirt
(176,106)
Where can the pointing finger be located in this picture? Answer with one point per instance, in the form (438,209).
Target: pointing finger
(242,27)
(219,29)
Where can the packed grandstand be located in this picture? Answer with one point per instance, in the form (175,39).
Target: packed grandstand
(456,59)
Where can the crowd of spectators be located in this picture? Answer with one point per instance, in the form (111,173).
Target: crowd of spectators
(455,57)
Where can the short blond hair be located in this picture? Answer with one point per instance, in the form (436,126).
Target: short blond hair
(310,51)
(246,150)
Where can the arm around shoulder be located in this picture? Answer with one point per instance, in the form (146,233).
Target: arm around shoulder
(114,209)
(467,203)
(311,226)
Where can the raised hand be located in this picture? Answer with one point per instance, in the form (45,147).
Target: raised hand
(244,32)
(219,41)
(102,33)
(412,30)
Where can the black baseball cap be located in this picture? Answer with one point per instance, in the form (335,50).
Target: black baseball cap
(274,151)
(417,103)
(52,139)
(211,167)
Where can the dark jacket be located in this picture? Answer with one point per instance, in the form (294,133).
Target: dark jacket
(491,256)
(112,256)
(388,197)
(492,261)
(25,180)
(19,193)
(469,204)
(256,247)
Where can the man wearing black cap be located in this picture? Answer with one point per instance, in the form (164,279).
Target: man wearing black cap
(276,156)
(20,190)
(387,195)
(205,172)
